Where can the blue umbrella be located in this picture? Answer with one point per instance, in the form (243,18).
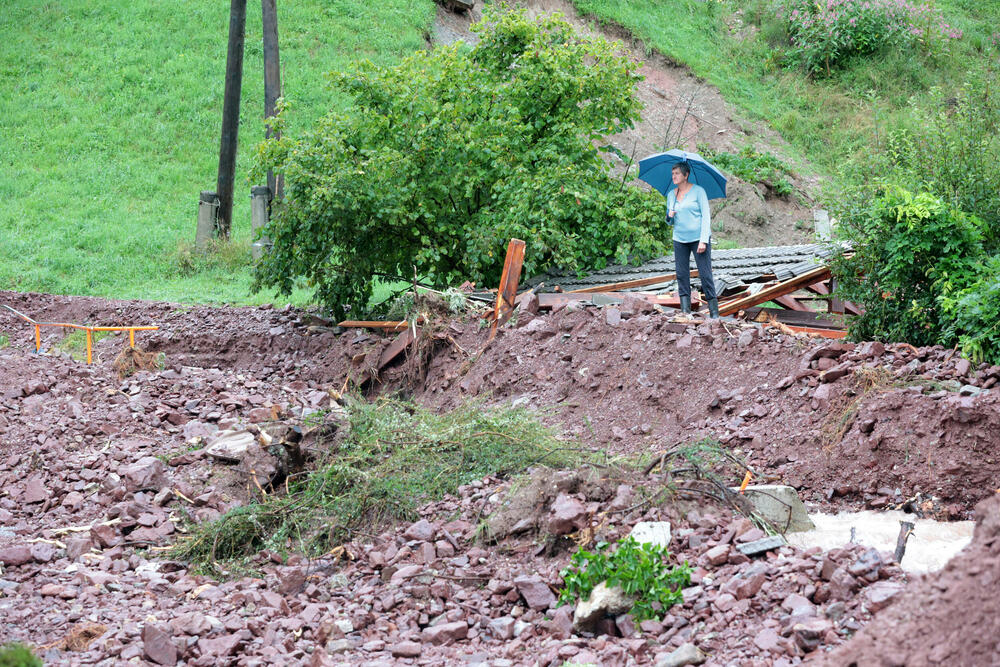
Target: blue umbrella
(656,170)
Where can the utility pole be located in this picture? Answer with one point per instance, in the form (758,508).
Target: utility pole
(272,78)
(231,115)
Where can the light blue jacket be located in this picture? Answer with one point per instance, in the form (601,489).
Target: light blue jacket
(692,220)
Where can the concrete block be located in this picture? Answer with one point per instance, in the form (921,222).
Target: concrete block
(780,505)
(761,546)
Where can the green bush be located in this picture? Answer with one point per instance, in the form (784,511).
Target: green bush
(446,156)
(640,569)
(974,314)
(954,152)
(910,251)
(18,655)
(753,167)
(824,34)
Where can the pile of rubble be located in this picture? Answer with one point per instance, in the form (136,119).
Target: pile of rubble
(98,476)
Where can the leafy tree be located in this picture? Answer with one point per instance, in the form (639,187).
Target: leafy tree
(911,252)
(446,156)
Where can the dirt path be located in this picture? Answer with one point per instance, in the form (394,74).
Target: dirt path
(676,101)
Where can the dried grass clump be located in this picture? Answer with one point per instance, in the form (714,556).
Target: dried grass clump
(133,359)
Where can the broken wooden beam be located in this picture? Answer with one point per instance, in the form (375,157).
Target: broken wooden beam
(629,284)
(507,292)
(782,288)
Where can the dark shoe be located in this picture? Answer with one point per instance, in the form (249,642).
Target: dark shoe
(685,304)
(713,308)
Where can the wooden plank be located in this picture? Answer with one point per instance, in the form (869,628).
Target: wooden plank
(790,302)
(782,288)
(374,324)
(507,293)
(628,284)
(824,333)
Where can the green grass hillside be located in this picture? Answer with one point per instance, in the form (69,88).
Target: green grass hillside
(109,127)
(731,43)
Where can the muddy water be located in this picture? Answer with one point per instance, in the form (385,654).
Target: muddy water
(931,545)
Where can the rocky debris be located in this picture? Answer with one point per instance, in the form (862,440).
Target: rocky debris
(122,466)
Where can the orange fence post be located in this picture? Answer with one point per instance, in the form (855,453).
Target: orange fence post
(131,338)
(90,344)
(38,338)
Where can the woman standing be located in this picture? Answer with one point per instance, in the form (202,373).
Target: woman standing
(688,210)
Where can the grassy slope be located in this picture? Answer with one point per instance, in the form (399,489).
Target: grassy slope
(827,120)
(109,128)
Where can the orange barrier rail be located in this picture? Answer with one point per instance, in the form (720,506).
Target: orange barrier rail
(90,331)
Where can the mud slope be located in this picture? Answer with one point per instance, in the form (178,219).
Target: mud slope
(673,98)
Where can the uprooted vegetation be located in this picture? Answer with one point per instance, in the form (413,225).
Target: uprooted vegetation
(395,456)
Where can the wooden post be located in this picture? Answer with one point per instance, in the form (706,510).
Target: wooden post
(272,78)
(208,209)
(507,292)
(836,305)
(231,115)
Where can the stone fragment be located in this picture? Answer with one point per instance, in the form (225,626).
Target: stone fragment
(422,531)
(34,491)
(231,446)
(536,593)
(406,649)
(568,514)
(717,555)
(685,654)
(767,639)
(445,633)
(780,505)
(652,532)
(502,628)
(757,547)
(148,472)
(881,594)
(18,554)
(157,645)
(603,601)
(809,633)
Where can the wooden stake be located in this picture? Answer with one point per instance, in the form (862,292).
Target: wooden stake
(272,78)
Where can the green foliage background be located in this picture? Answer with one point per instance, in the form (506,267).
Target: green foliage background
(443,158)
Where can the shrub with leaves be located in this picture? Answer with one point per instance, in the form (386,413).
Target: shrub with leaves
(974,314)
(642,570)
(753,167)
(824,34)
(443,158)
(910,251)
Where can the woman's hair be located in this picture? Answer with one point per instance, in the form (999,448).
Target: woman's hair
(684,168)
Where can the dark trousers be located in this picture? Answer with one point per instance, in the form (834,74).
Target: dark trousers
(682,262)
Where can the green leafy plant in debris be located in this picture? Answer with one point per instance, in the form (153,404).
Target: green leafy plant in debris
(18,655)
(974,314)
(642,570)
(754,167)
(443,158)
(396,457)
(4,340)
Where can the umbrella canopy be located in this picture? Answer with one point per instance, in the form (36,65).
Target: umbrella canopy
(656,170)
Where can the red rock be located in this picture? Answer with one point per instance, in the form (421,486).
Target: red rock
(406,649)
(105,536)
(445,633)
(503,627)
(34,491)
(422,531)
(810,633)
(406,572)
(157,645)
(51,590)
(535,592)
(222,646)
(768,640)
(15,555)
(717,555)
(881,594)
(43,552)
(568,515)
(147,473)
